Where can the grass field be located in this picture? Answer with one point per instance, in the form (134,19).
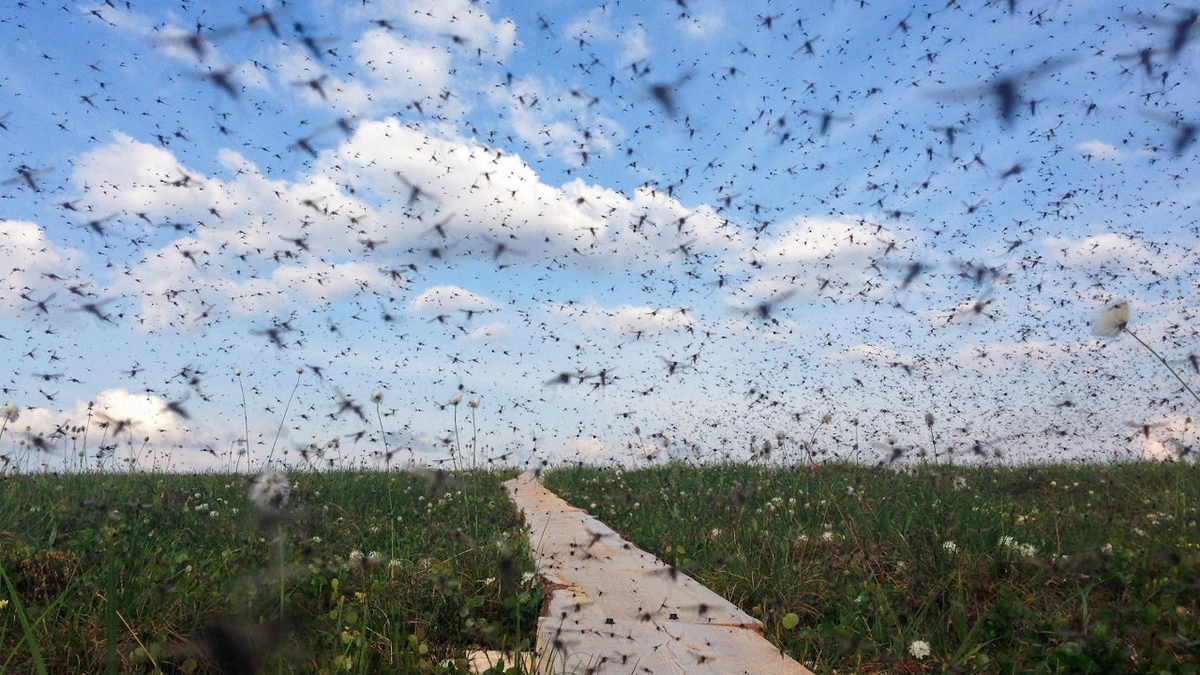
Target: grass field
(1034,569)
(1079,569)
(356,573)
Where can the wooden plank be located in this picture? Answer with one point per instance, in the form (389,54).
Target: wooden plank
(615,608)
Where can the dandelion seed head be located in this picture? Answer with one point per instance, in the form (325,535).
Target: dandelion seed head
(377,396)
(456,399)
(1114,319)
(474,403)
(269,490)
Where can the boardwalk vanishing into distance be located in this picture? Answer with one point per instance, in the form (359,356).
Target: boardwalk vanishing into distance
(614,608)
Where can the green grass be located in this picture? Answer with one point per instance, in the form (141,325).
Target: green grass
(1080,569)
(372,572)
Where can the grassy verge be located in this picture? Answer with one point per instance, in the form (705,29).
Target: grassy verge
(1047,569)
(358,573)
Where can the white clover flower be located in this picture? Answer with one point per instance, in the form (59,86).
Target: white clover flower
(355,555)
(1106,549)
(919,649)
(1114,320)
(269,490)
(1027,550)
(9,412)
(527,578)
(315,540)
(960,483)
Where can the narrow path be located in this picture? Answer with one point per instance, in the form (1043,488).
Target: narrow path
(616,609)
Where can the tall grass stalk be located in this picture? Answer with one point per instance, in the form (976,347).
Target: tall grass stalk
(38,664)
(282,420)
(245,420)
(1115,320)
(457,443)
(1158,356)
(110,604)
(474,435)
(387,456)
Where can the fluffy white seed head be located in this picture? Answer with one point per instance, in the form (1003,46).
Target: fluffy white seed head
(270,490)
(9,412)
(1113,320)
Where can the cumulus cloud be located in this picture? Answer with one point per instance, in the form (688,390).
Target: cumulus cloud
(702,23)
(489,332)
(122,414)
(843,257)
(871,353)
(450,298)
(322,284)
(34,267)
(626,319)
(1108,250)
(463,23)
(1166,439)
(403,69)
(1099,150)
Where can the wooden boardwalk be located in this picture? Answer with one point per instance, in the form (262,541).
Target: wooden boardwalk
(616,609)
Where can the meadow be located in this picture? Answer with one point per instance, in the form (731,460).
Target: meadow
(357,572)
(1005,569)
(930,568)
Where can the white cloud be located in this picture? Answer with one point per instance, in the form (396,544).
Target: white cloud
(489,332)
(128,177)
(841,257)
(1167,438)
(1109,249)
(1099,150)
(462,23)
(450,298)
(123,413)
(30,263)
(633,46)
(401,69)
(626,319)
(871,352)
(702,24)
(322,284)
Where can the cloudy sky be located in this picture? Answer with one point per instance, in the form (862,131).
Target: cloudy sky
(632,230)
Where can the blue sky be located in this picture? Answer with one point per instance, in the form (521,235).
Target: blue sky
(717,222)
